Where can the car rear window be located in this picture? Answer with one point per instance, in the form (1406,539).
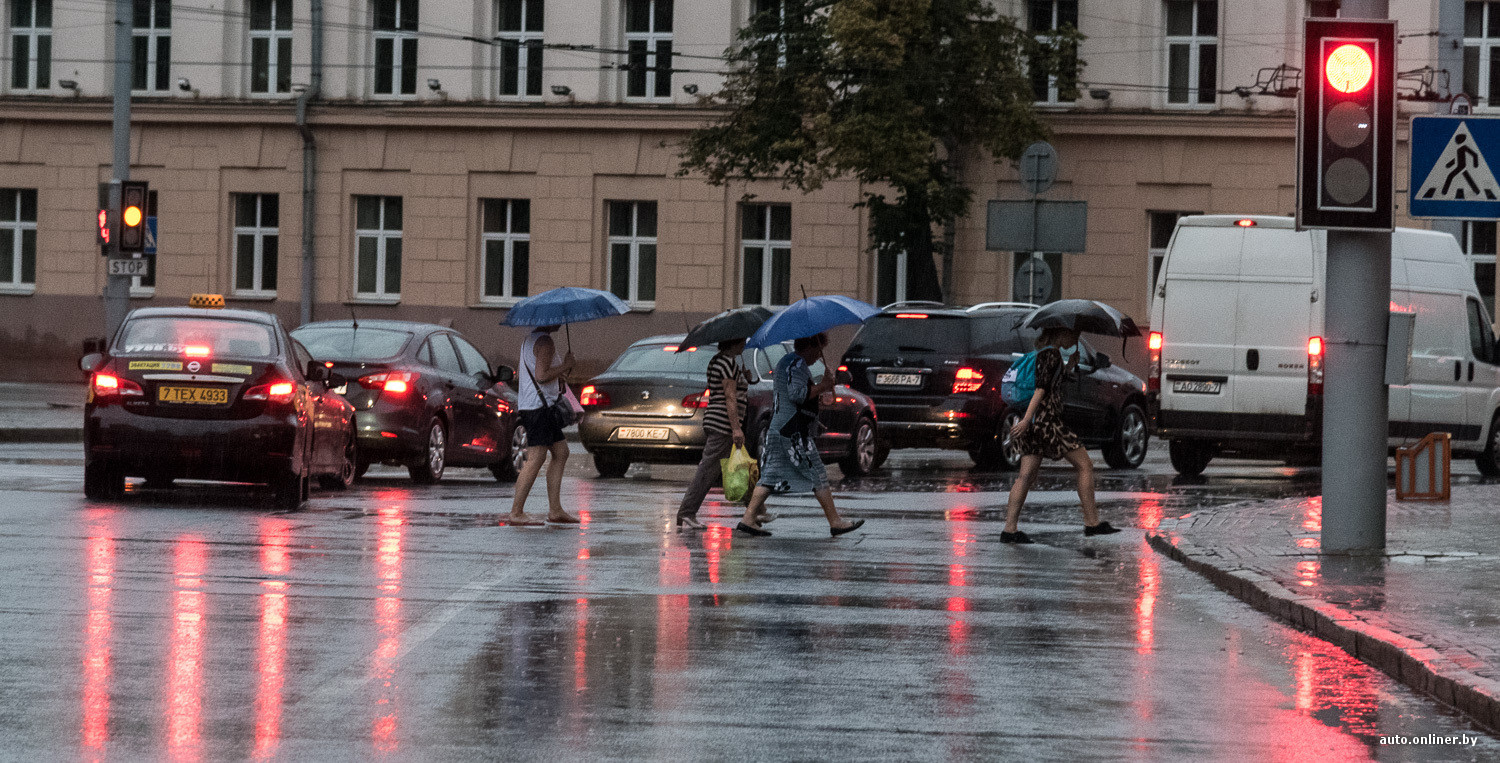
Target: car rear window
(664,359)
(210,337)
(890,336)
(347,343)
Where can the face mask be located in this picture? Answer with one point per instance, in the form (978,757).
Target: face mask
(1068,352)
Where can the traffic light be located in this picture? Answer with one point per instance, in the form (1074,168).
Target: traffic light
(107,221)
(1346,134)
(133,216)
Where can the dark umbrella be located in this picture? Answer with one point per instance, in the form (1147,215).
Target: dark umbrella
(738,323)
(1085,316)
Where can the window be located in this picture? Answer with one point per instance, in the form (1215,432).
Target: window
(1481,64)
(890,277)
(1481,336)
(474,362)
(395,47)
(31,44)
(270,46)
(1160,226)
(17,239)
(1192,51)
(377,235)
(766,241)
(648,42)
(769,19)
(1479,245)
(443,355)
(151,66)
(256,235)
(505,244)
(520,46)
(632,251)
(1043,18)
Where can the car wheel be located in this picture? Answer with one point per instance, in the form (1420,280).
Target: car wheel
(1190,457)
(345,476)
(1489,461)
(517,448)
(611,468)
(882,452)
(861,458)
(102,481)
(762,442)
(290,491)
(361,467)
(428,466)
(999,450)
(1128,449)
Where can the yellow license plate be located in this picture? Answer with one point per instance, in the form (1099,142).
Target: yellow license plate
(193,395)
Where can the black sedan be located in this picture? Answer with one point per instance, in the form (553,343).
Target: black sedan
(648,406)
(425,397)
(217,395)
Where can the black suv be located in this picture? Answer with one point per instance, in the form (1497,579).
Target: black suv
(934,372)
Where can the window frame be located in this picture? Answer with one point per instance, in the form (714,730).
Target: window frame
(527,42)
(382,237)
(158,68)
(258,233)
(653,39)
(1053,96)
(1155,255)
(508,238)
(37,73)
(1195,43)
(1484,83)
(18,228)
(400,37)
(767,246)
(278,72)
(635,241)
(902,266)
(1490,240)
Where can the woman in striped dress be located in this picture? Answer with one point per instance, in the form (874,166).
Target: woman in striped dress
(723,427)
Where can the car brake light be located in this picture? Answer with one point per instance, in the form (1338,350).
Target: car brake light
(111,386)
(699,400)
(1153,377)
(195,351)
(1315,366)
(1245,223)
(394,382)
(275,392)
(967,380)
(911,315)
(592,396)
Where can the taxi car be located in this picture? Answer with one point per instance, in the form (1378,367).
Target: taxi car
(213,394)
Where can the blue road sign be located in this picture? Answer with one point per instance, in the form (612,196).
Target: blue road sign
(1452,161)
(150,236)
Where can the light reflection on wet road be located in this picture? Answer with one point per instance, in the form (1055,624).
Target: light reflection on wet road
(402,622)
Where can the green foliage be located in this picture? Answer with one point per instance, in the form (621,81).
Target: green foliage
(887,92)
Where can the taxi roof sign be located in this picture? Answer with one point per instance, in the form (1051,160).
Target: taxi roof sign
(215,301)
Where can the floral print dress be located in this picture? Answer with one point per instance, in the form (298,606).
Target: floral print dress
(1047,436)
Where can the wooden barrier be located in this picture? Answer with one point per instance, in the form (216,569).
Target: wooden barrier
(1424,471)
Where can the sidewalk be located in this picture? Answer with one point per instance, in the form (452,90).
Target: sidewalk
(39,412)
(1427,611)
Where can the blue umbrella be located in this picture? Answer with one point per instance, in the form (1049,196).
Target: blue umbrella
(564,305)
(810,315)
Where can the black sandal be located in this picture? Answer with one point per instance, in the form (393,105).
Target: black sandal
(837,531)
(756,531)
(1103,528)
(1015,537)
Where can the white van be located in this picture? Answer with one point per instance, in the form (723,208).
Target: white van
(1236,344)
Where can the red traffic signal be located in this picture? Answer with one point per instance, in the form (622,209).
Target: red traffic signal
(1346,134)
(133,216)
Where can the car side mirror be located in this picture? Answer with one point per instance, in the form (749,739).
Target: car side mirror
(91,362)
(336,380)
(317,372)
(1101,360)
(503,374)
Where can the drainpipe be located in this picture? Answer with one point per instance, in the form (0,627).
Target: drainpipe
(310,165)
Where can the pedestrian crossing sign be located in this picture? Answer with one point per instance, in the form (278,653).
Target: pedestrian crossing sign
(1453,161)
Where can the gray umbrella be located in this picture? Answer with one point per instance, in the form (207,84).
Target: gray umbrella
(738,323)
(1085,316)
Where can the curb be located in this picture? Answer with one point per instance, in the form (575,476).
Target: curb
(42,434)
(1411,662)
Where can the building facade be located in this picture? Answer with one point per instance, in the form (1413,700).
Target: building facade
(468,153)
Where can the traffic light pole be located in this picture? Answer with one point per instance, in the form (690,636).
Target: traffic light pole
(117,288)
(1355,400)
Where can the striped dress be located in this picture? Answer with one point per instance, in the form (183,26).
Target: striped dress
(716,417)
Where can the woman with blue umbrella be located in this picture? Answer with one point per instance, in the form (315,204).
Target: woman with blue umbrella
(544,408)
(791,462)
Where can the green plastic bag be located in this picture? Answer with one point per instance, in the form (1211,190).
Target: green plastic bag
(737,474)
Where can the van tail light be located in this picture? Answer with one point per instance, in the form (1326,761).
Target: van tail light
(1153,377)
(967,380)
(1315,366)
(591,396)
(275,392)
(394,382)
(699,400)
(109,388)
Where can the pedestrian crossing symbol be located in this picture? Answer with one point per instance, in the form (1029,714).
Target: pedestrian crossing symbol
(1450,176)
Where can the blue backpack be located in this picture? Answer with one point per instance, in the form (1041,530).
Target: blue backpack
(1019,382)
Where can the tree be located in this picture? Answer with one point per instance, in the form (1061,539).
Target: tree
(888,92)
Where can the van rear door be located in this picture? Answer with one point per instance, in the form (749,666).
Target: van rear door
(1201,282)
(1272,326)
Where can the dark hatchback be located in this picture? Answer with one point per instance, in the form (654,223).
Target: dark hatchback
(935,371)
(648,407)
(217,395)
(424,396)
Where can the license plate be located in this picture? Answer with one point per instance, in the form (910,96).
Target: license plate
(641,433)
(193,395)
(899,380)
(1197,387)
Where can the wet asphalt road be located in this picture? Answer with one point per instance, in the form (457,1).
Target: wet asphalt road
(401,622)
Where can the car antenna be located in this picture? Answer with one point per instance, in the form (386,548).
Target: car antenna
(354,321)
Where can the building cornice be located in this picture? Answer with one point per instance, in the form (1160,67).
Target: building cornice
(1187,124)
